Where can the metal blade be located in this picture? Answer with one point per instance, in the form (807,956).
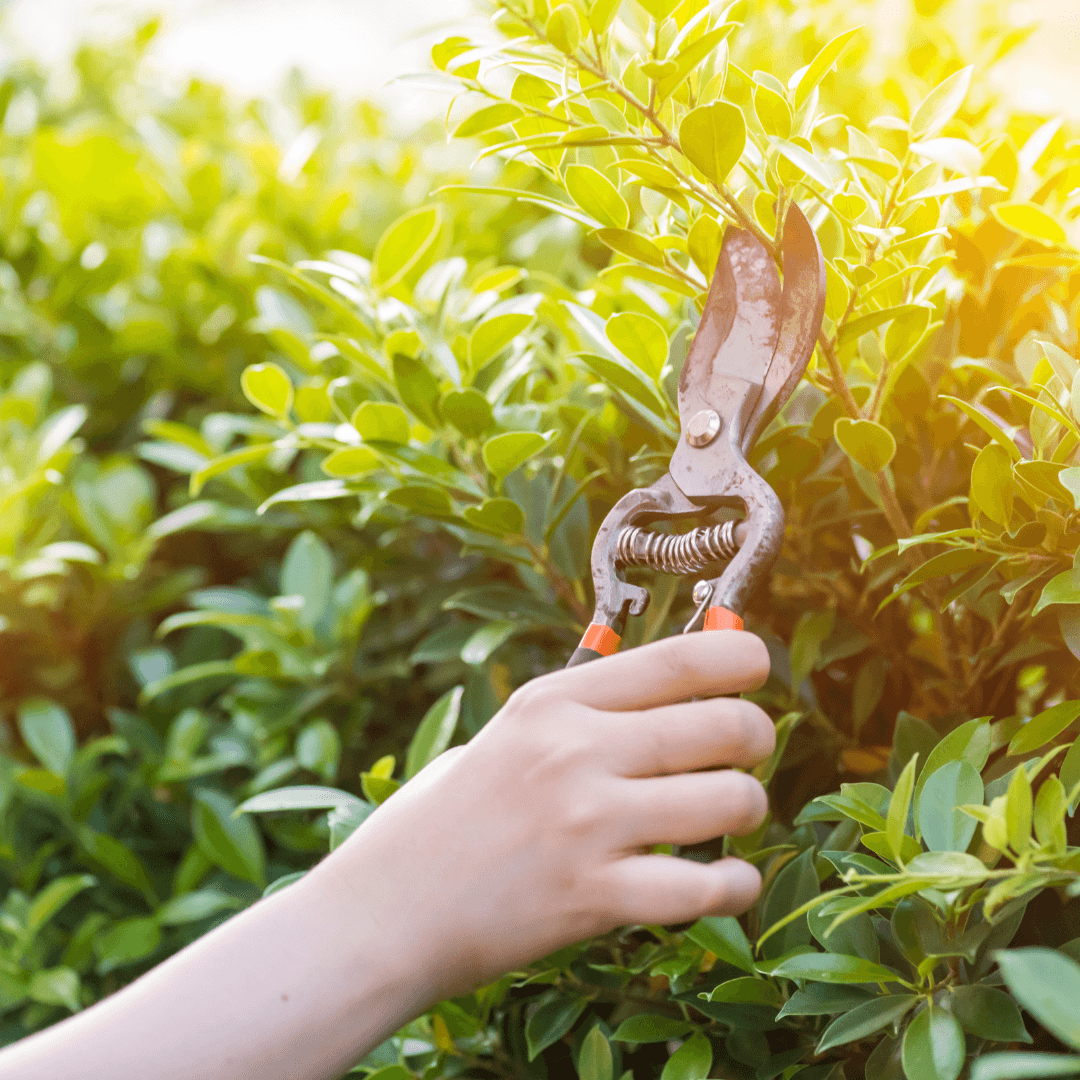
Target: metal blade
(739,327)
(803,305)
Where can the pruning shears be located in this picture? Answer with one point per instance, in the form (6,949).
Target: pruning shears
(751,348)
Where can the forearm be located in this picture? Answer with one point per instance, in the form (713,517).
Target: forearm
(297,987)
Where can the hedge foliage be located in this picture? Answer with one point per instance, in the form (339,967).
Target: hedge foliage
(306,429)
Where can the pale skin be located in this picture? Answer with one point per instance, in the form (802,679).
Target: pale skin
(530,838)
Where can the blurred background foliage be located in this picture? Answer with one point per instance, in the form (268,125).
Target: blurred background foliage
(305,430)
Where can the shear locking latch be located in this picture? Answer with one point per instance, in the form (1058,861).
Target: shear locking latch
(752,345)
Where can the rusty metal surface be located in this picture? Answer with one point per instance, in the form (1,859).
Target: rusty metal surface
(752,345)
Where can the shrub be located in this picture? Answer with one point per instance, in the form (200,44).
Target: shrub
(453,413)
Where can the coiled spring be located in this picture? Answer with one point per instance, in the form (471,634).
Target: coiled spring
(686,553)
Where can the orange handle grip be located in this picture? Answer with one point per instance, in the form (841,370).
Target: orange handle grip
(719,618)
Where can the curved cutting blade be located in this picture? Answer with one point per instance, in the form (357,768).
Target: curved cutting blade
(803,305)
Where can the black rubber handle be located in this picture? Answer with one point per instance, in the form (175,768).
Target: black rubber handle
(582,656)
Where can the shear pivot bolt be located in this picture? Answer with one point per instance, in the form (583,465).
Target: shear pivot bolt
(704,426)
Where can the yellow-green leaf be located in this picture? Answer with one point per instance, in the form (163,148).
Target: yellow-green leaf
(381,421)
(865,442)
(352,461)
(493,335)
(631,244)
(703,242)
(940,105)
(713,137)
(504,453)
(992,483)
(1029,220)
(404,246)
(268,388)
(597,195)
(820,66)
(640,339)
(564,29)
(899,805)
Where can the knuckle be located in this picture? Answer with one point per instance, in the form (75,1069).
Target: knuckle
(535,696)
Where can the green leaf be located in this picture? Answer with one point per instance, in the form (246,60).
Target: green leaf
(804,161)
(933,1046)
(640,339)
(1063,589)
(865,442)
(228,841)
(625,378)
(969,742)
(352,461)
(382,421)
(499,516)
(434,732)
(795,885)
(486,119)
(301,797)
(988,1013)
(992,483)
(1047,984)
(724,938)
(421,499)
(692,1061)
(899,806)
(822,64)
(56,986)
(126,942)
(1029,220)
(493,335)
(597,195)
(713,137)
(268,388)
(1050,807)
(504,453)
(827,968)
(937,109)
(1019,811)
(1040,729)
(866,1019)
(484,642)
(824,999)
(47,730)
(650,1028)
(551,1021)
(602,15)
(631,244)
(747,991)
(594,1057)
(308,571)
(1023,1066)
(405,246)
(417,388)
(246,455)
(195,906)
(563,29)
(996,433)
(773,112)
(943,826)
(468,410)
(53,897)
(120,861)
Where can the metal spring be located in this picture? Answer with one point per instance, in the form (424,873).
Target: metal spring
(677,554)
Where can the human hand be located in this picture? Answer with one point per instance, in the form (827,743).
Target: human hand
(536,834)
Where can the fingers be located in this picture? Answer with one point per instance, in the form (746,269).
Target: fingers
(675,669)
(660,889)
(688,809)
(693,735)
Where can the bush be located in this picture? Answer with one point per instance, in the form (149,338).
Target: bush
(442,420)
